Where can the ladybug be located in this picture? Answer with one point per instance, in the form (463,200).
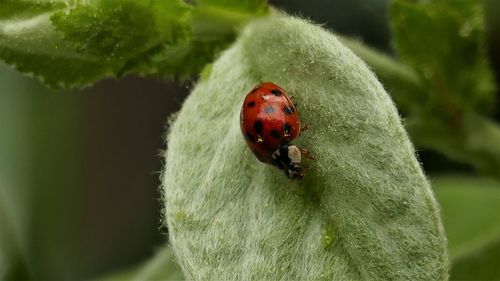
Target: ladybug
(269,122)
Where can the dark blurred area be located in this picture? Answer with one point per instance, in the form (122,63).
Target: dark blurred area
(493,30)
(365,19)
(88,163)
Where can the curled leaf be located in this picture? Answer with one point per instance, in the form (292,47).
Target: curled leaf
(364,209)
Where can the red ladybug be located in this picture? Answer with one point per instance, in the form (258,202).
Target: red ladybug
(269,121)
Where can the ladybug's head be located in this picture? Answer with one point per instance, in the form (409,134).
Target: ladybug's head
(294,172)
(287,158)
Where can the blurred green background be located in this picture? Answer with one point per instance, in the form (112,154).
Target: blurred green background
(79,170)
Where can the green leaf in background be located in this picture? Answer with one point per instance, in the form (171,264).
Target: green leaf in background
(475,142)
(160,267)
(81,43)
(15,160)
(76,43)
(443,83)
(472,222)
(214,26)
(211,17)
(363,211)
(444,41)
(39,137)
(163,266)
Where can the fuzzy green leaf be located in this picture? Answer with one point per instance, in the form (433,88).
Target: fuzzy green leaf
(472,222)
(363,211)
(402,82)
(444,40)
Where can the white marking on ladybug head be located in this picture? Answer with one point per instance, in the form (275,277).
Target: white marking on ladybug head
(294,154)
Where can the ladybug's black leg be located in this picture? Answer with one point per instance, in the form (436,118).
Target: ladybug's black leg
(292,98)
(277,159)
(277,164)
(305,127)
(307,154)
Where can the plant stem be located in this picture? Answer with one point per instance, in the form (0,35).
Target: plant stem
(211,22)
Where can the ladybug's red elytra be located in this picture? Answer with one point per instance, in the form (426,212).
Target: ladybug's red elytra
(269,122)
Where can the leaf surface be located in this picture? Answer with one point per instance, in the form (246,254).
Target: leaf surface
(363,211)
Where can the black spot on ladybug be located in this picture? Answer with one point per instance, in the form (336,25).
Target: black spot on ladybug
(288,109)
(276,92)
(286,129)
(258,126)
(251,104)
(275,134)
(278,164)
(250,137)
(269,109)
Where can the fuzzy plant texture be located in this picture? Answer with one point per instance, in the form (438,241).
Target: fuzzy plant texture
(364,210)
